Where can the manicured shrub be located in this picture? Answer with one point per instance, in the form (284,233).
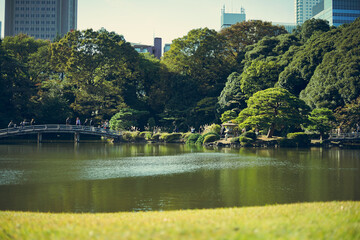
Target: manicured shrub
(285,142)
(126,136)
(132,136)
(213,128)
(186,135)
(246,141)
(249,134)
(300,138)
(193,137)
(201,139)
(156,137)
(211,138)
(235,140)
(243,139)
(170,137)
(145,134)
(135,136)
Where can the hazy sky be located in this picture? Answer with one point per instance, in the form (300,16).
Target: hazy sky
(140,20)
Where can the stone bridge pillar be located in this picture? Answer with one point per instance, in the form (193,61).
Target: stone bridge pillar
(39,138)
(77,137)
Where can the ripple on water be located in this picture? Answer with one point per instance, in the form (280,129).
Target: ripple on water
(125,167)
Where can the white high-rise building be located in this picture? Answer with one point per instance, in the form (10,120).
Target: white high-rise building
(303,10)
(40,19)
(228,19)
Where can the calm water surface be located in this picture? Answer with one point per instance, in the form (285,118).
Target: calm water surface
(99,177)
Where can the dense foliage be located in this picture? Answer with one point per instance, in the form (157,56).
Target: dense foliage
(273,109)
(207,77)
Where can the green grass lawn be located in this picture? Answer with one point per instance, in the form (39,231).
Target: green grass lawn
(330,220)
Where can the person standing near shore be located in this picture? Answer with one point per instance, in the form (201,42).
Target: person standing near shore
(78,123)
(68,121)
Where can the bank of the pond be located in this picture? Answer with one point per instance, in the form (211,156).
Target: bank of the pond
(247,139)
(330,220)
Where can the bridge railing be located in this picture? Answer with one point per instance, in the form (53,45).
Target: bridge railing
(57,128)
(344,135)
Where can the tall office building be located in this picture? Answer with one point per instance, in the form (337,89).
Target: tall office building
(157,50)
(228,19)
(303,10)
(40,19)
(337,12)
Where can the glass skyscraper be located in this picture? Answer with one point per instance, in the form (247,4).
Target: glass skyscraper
(337,12)
(40,19)
(303,10)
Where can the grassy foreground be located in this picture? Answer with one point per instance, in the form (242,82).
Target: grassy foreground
(331,220)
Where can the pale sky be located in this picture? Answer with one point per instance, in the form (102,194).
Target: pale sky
(140,20)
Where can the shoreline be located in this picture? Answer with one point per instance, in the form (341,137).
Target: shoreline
(270,143)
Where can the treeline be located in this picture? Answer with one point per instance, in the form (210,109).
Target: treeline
(206,77)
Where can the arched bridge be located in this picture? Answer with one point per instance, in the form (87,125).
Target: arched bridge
(57,128)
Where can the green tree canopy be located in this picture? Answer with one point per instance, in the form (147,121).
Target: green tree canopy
(313,26)
(232,97)
(321,120)
(102,70)
(348,116)
(228,115)
(200,56)
(19,76)
(240,35)
(260,75)
(127,118)
(336,79)
(273,108)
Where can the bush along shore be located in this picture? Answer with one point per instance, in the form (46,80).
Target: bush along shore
(212,138)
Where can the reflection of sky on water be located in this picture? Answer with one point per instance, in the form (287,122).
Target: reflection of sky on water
(53,171)
(153,166)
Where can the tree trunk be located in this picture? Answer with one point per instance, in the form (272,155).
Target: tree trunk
(271,131)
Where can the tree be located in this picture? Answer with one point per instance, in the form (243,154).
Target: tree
(273,108)
(231,97)
(348,116)
(312,26)
(228,115)
(18,83)
(127,118)
(200,56)
(336,79)
(102,70)
(240,35)
(258,76)
(321,120)
(298,73)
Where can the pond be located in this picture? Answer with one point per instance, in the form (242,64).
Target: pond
(100,177)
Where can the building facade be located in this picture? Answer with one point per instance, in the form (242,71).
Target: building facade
(0,30)
(167,47)
(155,50)
(303,10)
(40,19)
(337,12)
(289,27)
(228,19)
